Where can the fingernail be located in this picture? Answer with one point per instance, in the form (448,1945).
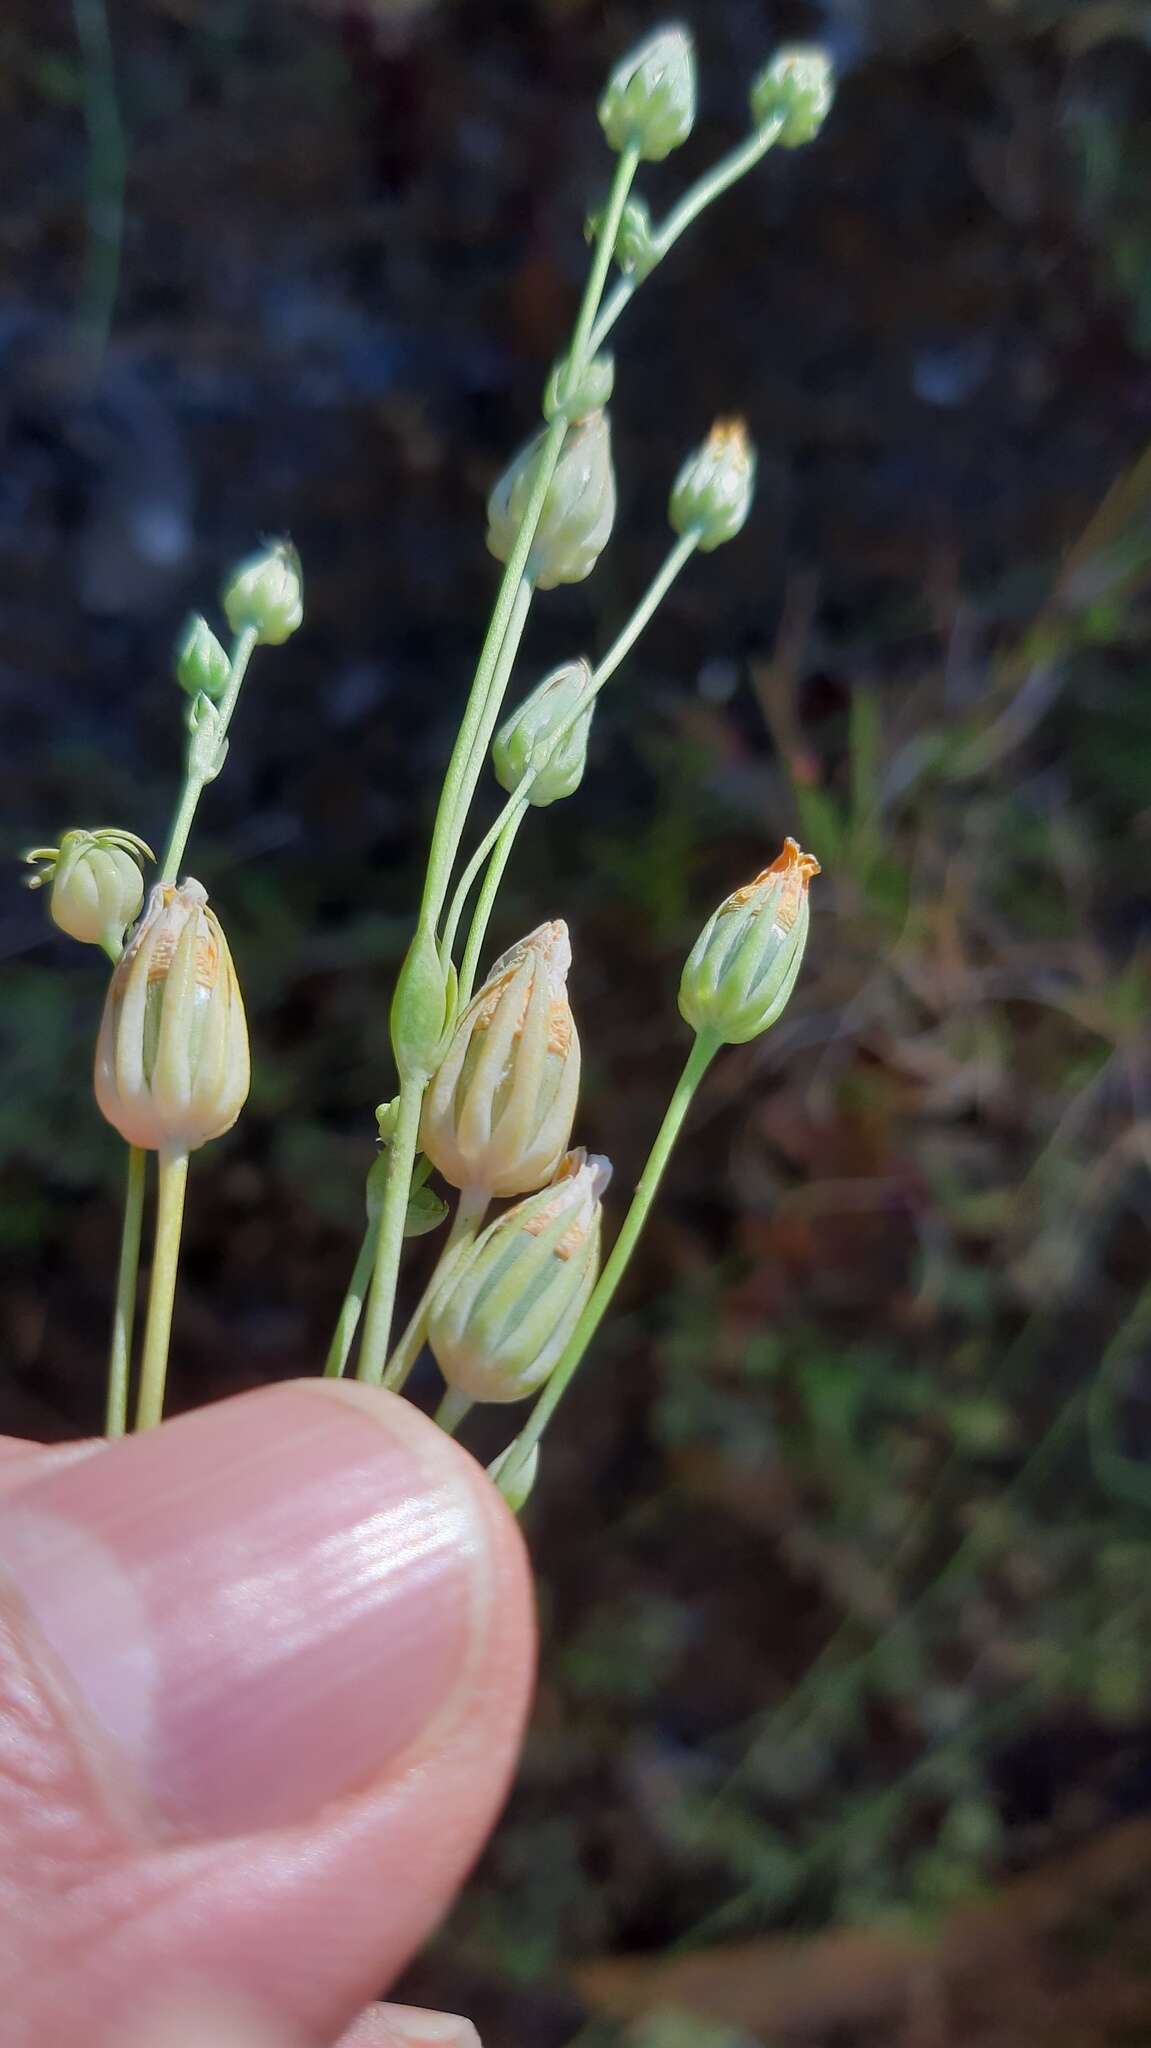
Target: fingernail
(262,1604)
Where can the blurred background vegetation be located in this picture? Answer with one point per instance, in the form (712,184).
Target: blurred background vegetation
(844,1724)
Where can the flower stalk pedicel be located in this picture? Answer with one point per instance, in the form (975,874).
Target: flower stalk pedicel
(743,967)
(508,1304)
(499,1110)
(172,1067)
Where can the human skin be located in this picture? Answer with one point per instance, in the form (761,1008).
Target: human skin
(263,1676)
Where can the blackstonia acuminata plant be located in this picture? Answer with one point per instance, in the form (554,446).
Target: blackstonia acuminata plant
(487,1081)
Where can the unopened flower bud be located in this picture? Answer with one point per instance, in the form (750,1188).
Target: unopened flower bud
(713,490)
(649,100)
(575,396)
(202,664)
(172,1065)
(635,245)
(506,1308)
(743,966)
(526,743)
(419,1006)
(97,886)
(514,1475)
(499,1110)
(265,595)
(579,508)
(796,91)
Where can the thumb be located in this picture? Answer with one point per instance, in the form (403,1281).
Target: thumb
(262,1676)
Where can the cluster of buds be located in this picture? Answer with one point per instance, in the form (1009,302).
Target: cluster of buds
(505,1309)
(498,1112)
(96,885)
(172,1068)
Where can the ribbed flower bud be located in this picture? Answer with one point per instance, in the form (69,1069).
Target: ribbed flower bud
(649,100)
(266,594)
(579,509)
(172,1064)
(201,662)
(527,740)
(796,90)
(713,490)
(97,886)
(743,967)
(507,1306)
(499,1110)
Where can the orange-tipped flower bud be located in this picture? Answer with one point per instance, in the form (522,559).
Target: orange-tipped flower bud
(172,1065)
(743,966)
(506,1308)
(499,1110)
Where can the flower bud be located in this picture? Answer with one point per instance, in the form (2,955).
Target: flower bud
(202,664)
(635,245)
(265,595)
(649,100)
(579,508)
(505,1309)
(796,91)
(744,964)
(97,886)
(172,1064)
(713,490)
(576,396)
(419,1006)
(526,742)
(499,1111)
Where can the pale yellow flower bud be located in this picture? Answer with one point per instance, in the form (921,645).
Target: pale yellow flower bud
(96,884)
(743,966)
(505,1309)
(578,511)
(499,1110)
(172,1066)
(265,595)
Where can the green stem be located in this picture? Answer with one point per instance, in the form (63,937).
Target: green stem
(162,1292)
(470,1212)
(107,169)
(703,1051)
(124,1313)
(490,711)
(721,176)
(194,785)
(485,901)
(584,344)
(348,1322)
(500,836)
(390,1243)
(453,1409)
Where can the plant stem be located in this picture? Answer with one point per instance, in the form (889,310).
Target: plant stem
(107,167)
(703,1051)
(485,901)
(721,176)
(490,711)
(348,1322)
(243,648)
(500,836)
(390,1243)
(124,1313)
(470,1212)
(453,1409)
(161,1294)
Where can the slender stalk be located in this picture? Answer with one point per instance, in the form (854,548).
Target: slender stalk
(243,648)
(162,1292)
(721,176)
(497,690)
(500,837)
(124,1312)
(348,1322)
(485,901)
(453,1409)
(703,1051)
(390,1243)
(584,343)
(471,1209)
